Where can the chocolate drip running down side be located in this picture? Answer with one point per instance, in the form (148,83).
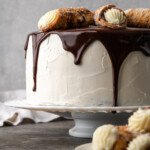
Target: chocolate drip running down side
(36,41)
(119,43)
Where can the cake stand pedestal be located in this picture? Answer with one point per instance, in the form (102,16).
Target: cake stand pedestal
(86,123)
(86,119)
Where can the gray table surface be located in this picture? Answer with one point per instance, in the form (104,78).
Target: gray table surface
(43,136)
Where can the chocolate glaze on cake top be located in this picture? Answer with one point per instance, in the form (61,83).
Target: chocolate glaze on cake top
(118,43)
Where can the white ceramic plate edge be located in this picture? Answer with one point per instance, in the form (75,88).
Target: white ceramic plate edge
(24,105)
(87,146)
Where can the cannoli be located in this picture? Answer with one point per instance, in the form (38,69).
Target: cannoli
(142,142)
(66,18)
(138,17)
(140,121)
(110,16)
(109,137)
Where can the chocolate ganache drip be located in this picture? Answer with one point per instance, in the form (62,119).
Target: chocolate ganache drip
(118,43)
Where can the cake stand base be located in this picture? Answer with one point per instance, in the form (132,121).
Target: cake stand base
(86,123)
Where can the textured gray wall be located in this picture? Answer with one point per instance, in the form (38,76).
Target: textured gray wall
(19,17)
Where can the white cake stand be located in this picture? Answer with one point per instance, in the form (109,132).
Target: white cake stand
(86,119)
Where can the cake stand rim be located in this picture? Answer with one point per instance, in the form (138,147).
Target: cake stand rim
(22,103)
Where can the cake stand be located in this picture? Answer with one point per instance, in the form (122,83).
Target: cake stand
(86,119)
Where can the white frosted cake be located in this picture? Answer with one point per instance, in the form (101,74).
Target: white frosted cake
(88,67)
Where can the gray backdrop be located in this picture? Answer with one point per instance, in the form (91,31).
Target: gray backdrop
(19,17)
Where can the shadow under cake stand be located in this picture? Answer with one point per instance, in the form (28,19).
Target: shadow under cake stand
(86,119)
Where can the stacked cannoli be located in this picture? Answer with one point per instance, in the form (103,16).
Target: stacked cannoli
(115,18)
(64,18)
(107,16)
(134,136)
